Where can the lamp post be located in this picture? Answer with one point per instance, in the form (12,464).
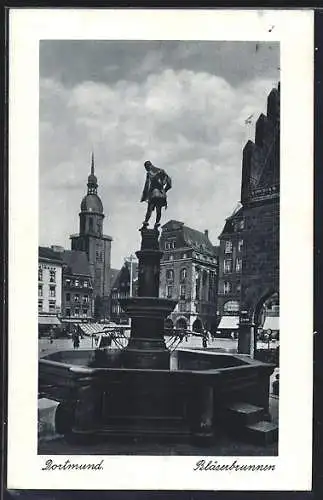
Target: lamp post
(131,259)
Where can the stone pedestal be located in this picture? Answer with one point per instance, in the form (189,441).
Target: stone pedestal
(146,347)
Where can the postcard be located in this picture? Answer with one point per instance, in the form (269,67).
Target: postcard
(160,249)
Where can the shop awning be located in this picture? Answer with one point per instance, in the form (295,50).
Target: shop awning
(48,320)
(229,323)
(271,323)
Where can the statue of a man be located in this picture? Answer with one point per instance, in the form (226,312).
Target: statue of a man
(156,186)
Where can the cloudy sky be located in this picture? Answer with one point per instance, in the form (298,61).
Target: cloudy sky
(182,105)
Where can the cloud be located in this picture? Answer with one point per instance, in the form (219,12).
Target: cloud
(189,122)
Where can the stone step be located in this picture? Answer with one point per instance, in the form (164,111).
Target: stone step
(262,432)
(243,413)
(47,410)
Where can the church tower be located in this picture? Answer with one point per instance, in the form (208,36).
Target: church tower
(97,246)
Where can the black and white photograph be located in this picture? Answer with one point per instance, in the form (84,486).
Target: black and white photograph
(158,280)
(158,252)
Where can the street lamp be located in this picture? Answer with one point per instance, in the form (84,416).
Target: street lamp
(131,259)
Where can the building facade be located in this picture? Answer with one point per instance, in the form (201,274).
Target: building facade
(49,289)
(124,285)
(230,271)
(77,289)
(260,198)
(249,242)
(189,272)
(95,244)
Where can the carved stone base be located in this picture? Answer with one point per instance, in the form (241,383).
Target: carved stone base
(157,359)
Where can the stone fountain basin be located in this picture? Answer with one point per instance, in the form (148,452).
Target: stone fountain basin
(100,396)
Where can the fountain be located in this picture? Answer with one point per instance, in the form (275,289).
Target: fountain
(147,391)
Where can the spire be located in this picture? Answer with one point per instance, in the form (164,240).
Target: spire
(92,164)
(92,182)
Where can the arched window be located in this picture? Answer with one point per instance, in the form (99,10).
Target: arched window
(183,274)
(170,275)
(231,306)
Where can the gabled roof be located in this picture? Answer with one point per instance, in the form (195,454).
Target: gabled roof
(197,240)
(45,253)
(229,226)
(123,276)
(76,262)
(193,238)
(113,275)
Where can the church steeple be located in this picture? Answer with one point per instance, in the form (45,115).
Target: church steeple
(92,182)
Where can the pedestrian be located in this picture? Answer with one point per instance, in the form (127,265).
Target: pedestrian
(204,338)
(76,339)
(51,335)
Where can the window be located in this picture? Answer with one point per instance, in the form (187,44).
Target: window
(170,244)
(84,311)
(52,276)
(238,265)
(171,257)
(228,247)
(85,299)
(52,290)
(227,287)
(182,292)
(231,306)
(99,257)
(182,307)
(40,274)
(76,283)
(238,288)
(228,266)
(184,255)
(240,245)
(76,298)
(52,306)
(68,312)
(40,290)
(169,291)
(169,274)
(68,297)
(183,274)
(91,223)
(40,305)
(76,312)
(67,282)
(85,284)
(241,224)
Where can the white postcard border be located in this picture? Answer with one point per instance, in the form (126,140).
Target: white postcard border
(294,30)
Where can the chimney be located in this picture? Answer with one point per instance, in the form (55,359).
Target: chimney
(206,232)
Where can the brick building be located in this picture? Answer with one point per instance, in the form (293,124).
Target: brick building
(249,242)
(49,289)
(77,289)
(188,273)
(260,199)
(95,244)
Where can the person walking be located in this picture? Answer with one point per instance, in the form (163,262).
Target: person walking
(51,335)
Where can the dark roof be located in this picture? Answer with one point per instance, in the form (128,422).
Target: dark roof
(198,240)
(229,223)
(122,278)
(113,274)
(193,238)
(92,203)
(45,253)
(76,262)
